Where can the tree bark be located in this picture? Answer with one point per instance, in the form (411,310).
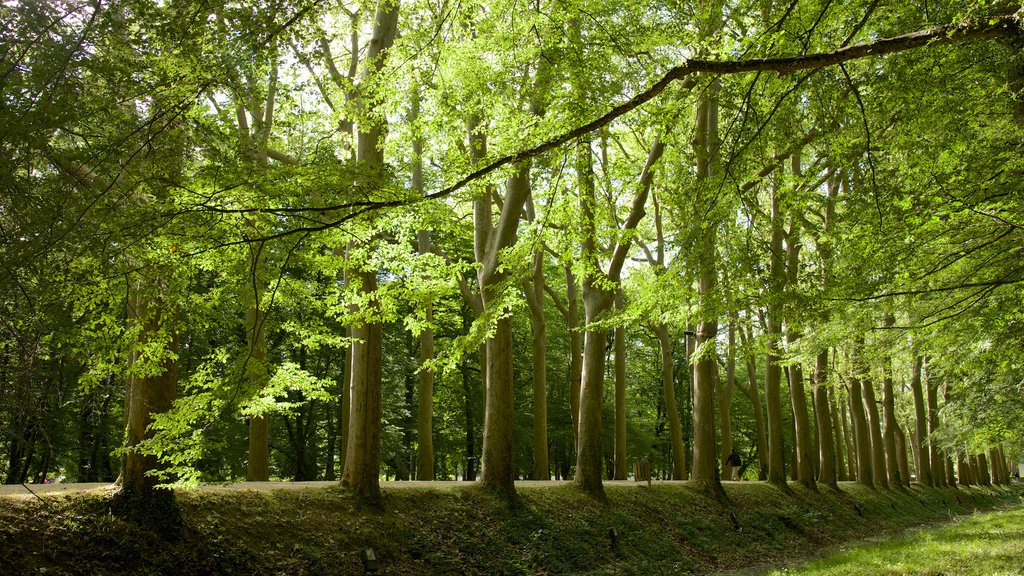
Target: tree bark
(535,299)
(878,470)
(773,371)
(620,396)
(938,468)
(823,421)
(725,394)
(861,435)
(924,469)
(147,395)
(668,387)
(901,456)
(705,465)
(425,385)
(892,465)
(361,473)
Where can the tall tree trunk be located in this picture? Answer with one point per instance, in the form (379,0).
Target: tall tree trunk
(425,386)
(838,434)
(753,393)
(705,465)
(938,468)
(535,300)
(997,471)
(147,395)
(803,463)
(861,434)
(901,455)
(668,387)
(878,470)
(620,395)
(963,471)
(773,370)
(848,437)
(725,394)
(891,426)
(575,351)
(924,469)
(823,421)
(597,300)
(986,477)
(361,473)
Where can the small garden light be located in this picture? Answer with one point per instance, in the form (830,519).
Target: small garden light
(369,561)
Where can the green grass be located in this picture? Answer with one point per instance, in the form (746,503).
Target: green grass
(667,529)
(989,544)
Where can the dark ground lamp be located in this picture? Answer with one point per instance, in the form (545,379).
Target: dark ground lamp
(369,559)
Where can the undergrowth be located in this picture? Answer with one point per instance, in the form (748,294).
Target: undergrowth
(665,529)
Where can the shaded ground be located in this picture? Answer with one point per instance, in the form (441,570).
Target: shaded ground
(457,528)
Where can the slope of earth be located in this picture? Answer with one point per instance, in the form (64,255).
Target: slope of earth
(667,529)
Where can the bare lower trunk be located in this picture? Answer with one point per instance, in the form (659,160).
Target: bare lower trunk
(541,469)
(802,426)
(672,412)
(901,456)
(575,351)
(938,468)
(361,473)
(963,471)
(147,395)
(986,478)
(891,426)
(754,395)
(880,476)
(924,470)
(823,421)
(620,396)
(725,394)
(498,472)
(588,453)
(861,435)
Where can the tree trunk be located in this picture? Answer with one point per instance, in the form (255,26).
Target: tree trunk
(361,473)
(838,434)
(803,462)
(425,386)
(823,421)
(147,395)
(773,371)
(901,456)
(963,471)
(753,393)
(725,394)
(938,468)
(535,299)
(572,321)
(668,388)
(878,470)
(705,462)
(892,465)
(620,396)
(923,458)
(861,435)
(986,478)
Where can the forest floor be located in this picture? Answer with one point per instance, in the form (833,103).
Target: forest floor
(458,528)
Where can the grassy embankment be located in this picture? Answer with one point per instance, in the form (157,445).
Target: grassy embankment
(667,529)
(982,545)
